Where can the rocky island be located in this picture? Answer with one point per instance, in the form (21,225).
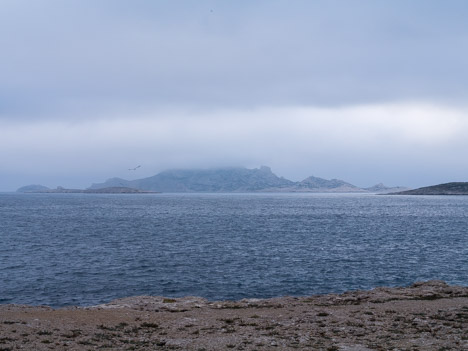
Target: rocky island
(219,180)
(424,316)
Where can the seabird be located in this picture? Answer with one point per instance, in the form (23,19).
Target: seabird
(134,169)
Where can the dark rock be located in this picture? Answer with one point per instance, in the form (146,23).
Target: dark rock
(455,188)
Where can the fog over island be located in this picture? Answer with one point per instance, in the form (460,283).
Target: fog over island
(367,91)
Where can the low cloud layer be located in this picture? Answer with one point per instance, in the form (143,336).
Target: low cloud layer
(400,144)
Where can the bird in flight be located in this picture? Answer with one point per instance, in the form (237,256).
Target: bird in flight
(134,169)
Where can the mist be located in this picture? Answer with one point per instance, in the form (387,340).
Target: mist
(362,144)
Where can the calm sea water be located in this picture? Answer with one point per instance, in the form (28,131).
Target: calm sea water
(84,249)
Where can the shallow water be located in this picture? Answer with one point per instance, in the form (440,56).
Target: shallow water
(85,249)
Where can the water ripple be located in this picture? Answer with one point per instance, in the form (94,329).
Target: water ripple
(75,249)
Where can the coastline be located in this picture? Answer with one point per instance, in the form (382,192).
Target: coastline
(424,316)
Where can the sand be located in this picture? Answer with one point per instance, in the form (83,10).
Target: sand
(425,316)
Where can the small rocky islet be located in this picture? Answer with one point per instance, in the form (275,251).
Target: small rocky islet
(424,316)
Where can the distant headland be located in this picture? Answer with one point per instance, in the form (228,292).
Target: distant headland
(454,188)
(221,180)
(61,190)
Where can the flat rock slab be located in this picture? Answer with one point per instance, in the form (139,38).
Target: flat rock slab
(424,316)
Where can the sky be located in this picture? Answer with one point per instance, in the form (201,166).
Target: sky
(367,91)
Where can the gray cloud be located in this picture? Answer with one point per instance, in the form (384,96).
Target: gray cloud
(75,57)
(365,90)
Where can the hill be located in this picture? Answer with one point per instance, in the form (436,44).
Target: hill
(454,188)
(211,180)
(32,188)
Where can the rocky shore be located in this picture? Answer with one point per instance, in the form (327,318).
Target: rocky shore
(424,316)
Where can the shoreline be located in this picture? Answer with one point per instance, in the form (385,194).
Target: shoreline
(424,316)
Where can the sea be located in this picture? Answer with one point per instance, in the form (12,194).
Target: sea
(88,249)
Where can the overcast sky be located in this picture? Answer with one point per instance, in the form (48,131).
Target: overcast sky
(365,91)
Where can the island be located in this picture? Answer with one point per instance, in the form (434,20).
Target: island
(221,180)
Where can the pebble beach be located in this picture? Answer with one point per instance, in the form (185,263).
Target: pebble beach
(424,316)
